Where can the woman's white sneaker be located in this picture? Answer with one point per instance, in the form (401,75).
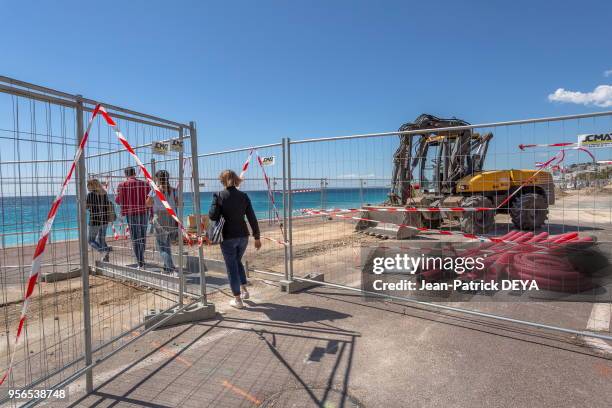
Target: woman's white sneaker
(245,295)
(237,303)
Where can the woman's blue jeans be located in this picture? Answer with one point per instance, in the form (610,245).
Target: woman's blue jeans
(232,250)
(96,237)
(162,236)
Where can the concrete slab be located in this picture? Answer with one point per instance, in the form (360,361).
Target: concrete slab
(50,277)
(195,313)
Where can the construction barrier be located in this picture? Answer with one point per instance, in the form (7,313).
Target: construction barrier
(67,305)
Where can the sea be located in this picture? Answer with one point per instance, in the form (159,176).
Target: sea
(22,218)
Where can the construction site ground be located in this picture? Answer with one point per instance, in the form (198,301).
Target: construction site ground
(330,347)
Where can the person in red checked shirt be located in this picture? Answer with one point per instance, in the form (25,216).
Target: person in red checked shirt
(132,196)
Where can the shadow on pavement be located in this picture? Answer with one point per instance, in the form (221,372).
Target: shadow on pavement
(239,361)
(292,314)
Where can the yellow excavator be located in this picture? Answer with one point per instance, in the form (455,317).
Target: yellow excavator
(439,164)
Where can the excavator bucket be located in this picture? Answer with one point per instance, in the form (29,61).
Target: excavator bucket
(387,224)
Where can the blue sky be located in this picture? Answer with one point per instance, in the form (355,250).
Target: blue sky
(251,72)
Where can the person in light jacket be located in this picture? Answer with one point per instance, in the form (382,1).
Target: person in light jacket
(164,225)
(233,205)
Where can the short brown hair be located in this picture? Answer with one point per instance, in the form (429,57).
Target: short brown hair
(229,178)
(129,171)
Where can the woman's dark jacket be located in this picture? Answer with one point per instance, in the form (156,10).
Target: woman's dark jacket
(98,205)
(233,205)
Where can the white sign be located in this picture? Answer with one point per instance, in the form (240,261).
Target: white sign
(176,145)
(267,161)
(160,147)
(595,141)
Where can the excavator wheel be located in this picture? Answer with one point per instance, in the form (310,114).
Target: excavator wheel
(529,211)
(477,222)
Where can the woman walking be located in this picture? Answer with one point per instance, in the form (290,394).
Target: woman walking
(101,213)
(166,229)
(233,205)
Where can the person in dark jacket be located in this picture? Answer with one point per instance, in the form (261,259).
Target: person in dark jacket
(99,207)
(233,205)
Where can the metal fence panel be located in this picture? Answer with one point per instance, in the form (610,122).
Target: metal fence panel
(336,175)
(75,318)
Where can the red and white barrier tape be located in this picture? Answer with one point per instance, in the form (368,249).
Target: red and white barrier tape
(304,190)
(46,230)
(245,166)
(562,144)
(400,209)
(550,162)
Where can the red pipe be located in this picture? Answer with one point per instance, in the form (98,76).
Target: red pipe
(548,267)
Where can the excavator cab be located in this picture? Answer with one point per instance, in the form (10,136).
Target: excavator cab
(438,167)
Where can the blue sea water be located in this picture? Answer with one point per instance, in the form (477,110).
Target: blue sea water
(22,218)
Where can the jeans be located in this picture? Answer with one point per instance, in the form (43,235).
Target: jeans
(162,236)
(96,237)
(232,250)
(138,233)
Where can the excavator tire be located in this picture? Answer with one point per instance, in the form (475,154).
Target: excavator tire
(477,222)
(529,211)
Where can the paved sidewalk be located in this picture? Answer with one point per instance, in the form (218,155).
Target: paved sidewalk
(331,348)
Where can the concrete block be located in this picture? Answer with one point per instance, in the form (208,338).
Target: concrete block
(61,276)
(299,285)
(195,313)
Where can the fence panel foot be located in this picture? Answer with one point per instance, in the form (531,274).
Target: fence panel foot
(195,313)
(293,286)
